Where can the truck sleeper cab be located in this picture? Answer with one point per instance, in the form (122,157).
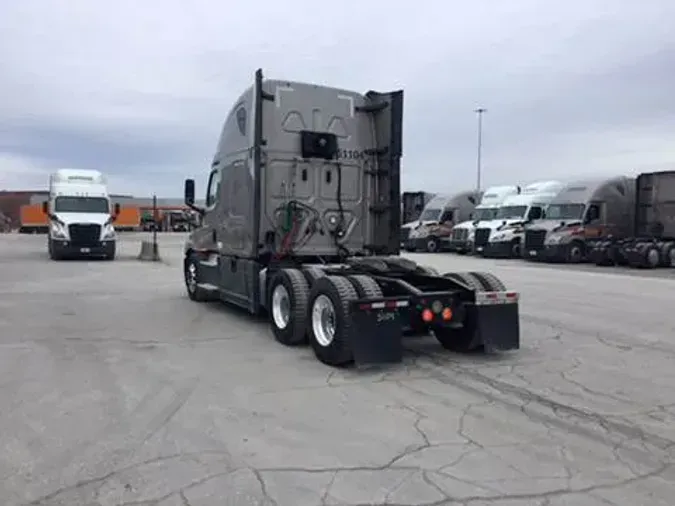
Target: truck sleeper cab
(412,205)
(584,211)
(517,213)
(302,223)
(440,216)
(80,216)
(461,240)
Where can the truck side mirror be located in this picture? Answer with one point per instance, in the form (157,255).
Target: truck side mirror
(189,192)
(45,208)
(116,211)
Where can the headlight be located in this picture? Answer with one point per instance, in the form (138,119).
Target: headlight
(58,231)
(108,232)
(554,239)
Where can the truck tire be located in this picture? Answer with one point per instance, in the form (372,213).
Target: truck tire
(466,278)
(192,280)
(460,339)
(53,255)
(652,256)
(575,252)
(427,271)
(329,320)
(312,274)
(287,307)
(490,282)
(365,286)
(433,245)
(667,254)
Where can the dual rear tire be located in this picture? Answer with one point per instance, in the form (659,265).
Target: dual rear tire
(309,306)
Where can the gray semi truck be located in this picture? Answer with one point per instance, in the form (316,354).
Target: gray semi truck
(651,239)
(301,223)
(583,212)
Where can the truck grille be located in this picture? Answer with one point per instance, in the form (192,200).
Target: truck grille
(482,237)
(534,240)
(460,234)
(84,235)
(405,232)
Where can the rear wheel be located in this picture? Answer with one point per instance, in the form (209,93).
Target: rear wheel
(462,339)
(329,320)
(287,305)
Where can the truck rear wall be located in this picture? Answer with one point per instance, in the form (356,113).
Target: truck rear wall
(655,204)
(298,107)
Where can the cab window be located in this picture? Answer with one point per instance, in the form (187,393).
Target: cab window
(592,213)
(213,188)
(535,213)
(446,216)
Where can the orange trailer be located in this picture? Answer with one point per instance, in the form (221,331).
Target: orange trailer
(129,219)
(33,220)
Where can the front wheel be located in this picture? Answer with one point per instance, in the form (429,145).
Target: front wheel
(433,244)
(192,280)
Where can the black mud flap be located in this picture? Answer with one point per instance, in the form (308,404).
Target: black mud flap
(496,322)
(377,330)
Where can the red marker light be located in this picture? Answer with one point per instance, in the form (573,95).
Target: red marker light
(427,315)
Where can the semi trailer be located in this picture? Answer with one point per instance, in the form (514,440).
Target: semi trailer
(461,239)
(651,239)
(584,211)
(438,220)
(302,224)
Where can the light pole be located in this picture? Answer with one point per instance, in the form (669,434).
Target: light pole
(480,112)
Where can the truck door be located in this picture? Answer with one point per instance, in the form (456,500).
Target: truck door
(595,220)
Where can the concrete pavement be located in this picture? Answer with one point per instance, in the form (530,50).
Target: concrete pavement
(115,389)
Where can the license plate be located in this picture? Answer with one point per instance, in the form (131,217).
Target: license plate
(533,253)
(85,250)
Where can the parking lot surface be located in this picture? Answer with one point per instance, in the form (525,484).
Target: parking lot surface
(115,389)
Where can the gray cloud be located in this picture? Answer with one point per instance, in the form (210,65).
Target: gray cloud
(141,92)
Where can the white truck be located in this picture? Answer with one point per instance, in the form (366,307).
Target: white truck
(80,215)
(503,236)
(461,240)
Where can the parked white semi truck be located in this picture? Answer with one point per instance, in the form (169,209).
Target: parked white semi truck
(531,205)
(80,215)
(461,239)
(502,237)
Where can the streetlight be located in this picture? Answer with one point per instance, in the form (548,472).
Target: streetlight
(480,112)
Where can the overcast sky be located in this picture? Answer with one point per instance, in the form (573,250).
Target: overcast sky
(139,89)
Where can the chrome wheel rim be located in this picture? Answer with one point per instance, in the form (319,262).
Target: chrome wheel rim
(281,307)
(323,320)
(191,277)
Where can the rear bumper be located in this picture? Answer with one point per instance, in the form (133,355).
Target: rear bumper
(67,249)
(378,324)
